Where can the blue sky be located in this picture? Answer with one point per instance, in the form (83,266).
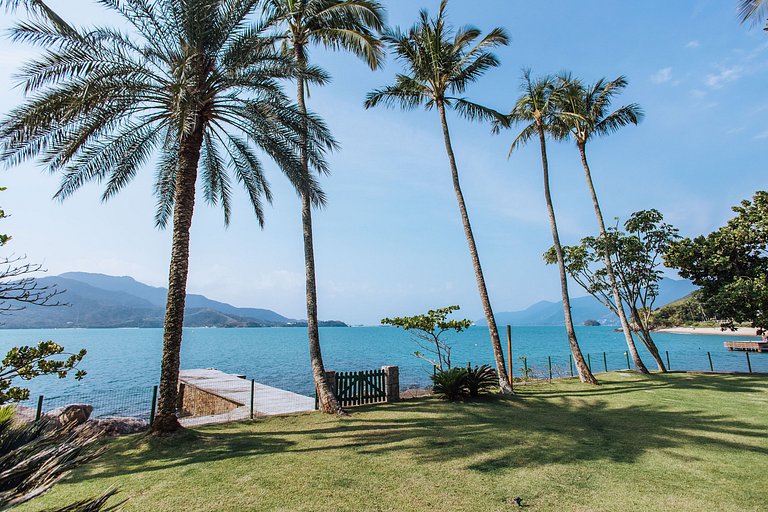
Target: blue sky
(390,241)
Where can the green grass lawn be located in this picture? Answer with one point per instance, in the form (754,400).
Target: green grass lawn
(674,442)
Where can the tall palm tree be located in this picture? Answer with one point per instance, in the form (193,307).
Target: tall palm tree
(349,25)
(441,62)
(583,112)
(537,109)
(194,83)
(754,11)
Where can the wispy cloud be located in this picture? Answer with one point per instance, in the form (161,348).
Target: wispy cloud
(761,136)
(662,76)
(726,75)
(693,44)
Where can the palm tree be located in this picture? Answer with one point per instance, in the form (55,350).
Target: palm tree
(753,11)
(37,7)
(441,62)
(583,112)
(339,25)
(537,110)
(194,83)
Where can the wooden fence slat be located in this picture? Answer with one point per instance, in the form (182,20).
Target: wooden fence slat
(361,387)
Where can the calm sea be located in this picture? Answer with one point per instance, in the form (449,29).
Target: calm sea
(130,358)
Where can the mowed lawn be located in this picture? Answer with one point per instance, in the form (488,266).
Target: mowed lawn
(675,442)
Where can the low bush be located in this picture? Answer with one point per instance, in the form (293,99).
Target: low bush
(450,384)
(480,379)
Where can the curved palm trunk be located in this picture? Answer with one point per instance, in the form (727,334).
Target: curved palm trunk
(189,156)
(645,337)
(639,365)
(326,399)
(578,358)
(504,384)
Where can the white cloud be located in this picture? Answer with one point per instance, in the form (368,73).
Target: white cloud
(761,136)
(662,76)
(693,44)
(725,76)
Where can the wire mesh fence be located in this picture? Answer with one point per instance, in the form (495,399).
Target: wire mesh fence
(211,400)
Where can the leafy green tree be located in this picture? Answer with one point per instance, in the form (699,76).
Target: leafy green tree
(583,112)
(753,11)
(349,25)
(440,63)
(636,259)
(428,330)
(731,265)
(26,363)
(195,83)
(536,110)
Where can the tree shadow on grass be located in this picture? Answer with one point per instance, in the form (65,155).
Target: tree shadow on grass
(538,427)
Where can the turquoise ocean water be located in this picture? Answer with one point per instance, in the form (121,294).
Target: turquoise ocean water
(120,359)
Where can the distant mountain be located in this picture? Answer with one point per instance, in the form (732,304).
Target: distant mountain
(157,296)
(586,308)
(98,300)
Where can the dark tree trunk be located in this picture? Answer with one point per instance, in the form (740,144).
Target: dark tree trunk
(184,204)
(326,399)
(639,365)
(581,365)
(504,384)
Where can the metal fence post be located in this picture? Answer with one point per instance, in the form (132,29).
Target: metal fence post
(589,363)
(39,413)
(525,365)
(711,368)
(749,363)
(626,354)
(153,409)
(669,366)
(253,387)
(509,355)
(570,363)
(605,362)
(549,362)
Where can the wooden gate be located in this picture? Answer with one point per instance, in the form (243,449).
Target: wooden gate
(359,388)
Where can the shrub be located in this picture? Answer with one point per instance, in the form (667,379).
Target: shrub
(480,379)
(450,384)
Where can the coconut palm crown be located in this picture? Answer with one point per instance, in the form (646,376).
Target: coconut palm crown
(440,63)
(195,85)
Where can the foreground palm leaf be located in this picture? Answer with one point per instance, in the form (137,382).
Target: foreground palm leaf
(536,110)
(582,113)
(753,11)
(194,84)
(338,25)
(34,456)
(440,64)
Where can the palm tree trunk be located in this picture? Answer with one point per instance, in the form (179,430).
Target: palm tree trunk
(184,204)
(504,384)
(585,374)
(639,365)
(326,398)
(645,337)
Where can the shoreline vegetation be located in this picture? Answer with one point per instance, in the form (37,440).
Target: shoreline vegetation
(740,331)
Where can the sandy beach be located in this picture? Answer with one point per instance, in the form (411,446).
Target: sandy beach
(740,331)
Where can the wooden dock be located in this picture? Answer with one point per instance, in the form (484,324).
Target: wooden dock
(747,346)
(212,396)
